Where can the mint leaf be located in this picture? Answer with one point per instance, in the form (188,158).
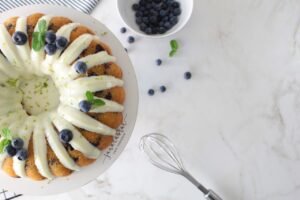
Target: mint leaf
(6,133)
(89,96)
(38,38)
(3,144)
(98,102)
(174,45)
(42,26)
(172,53)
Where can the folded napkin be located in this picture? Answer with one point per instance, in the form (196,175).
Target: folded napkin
(85,6)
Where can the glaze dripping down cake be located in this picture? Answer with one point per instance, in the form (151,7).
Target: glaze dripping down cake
(61,93)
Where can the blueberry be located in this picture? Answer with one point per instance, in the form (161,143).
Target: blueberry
(162,30)
(177,11)
(174,20)
(50,37)
(187,75)
(50,49)
(19,38)
(138,20)
(162,88)
(131,39)
(167,25)
(162,13)
(10,150)
(65,136)
(123,30)
(148,31)
(151,92)
(61,42)
(153,19)
(85,106)
(22,154)
(175,4)
(17,143)
(143,26)
(148,6)
(158,62)
(145,19)
(135,7)
(138,14)
(80,67)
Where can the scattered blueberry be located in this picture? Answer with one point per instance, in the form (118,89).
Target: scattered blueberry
(131,39)
(50,37)
(10,150)
(22,154)
(162,88)
(123,30)
(17,143)
(50,49)
(135,7)
(151,92)
(187,75)
(158,62)
(80,67)
(156,16)
(85,106)
(177,11)
(19,38)
(61,42)
(65,135)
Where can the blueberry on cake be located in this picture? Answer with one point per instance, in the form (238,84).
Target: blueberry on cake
(61,94)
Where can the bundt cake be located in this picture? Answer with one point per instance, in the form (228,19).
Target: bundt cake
(61,94)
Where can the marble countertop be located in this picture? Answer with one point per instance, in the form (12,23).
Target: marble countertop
(236,122)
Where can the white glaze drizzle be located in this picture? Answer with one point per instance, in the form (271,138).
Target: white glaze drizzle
(24,50)
(9,48)
(91,61)
(7,69)
(64,31)
(58,148)
(40,149)
(75,49)
(78,142)
(93,84)
(25,133)
(110,106)
(3,156)
(84,121)
(37,57)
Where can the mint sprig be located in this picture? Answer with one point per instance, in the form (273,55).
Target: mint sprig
(91,98)
(6,134)
(174,47)
(38,38)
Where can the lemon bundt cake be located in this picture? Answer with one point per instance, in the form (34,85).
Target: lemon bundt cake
(61,96)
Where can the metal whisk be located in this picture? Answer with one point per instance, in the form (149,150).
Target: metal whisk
(162,153)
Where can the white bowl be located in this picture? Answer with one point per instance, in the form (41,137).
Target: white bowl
(88,173)
(128,16)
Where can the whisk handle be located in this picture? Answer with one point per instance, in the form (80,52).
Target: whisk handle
(208,193)
(211,195)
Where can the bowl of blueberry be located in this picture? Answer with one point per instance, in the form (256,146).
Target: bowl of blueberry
(155,18)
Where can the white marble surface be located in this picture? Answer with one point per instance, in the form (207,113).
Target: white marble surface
(236,122)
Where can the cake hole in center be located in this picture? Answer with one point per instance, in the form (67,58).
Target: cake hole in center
(39,95)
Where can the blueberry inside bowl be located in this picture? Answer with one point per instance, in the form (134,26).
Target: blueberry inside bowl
(155,18)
